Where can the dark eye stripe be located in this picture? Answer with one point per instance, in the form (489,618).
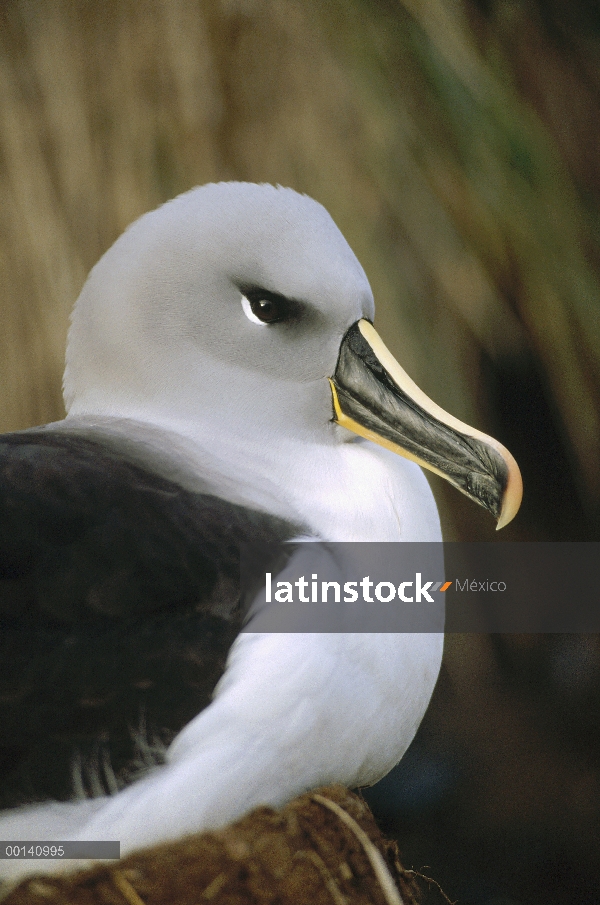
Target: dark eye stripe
(270,307)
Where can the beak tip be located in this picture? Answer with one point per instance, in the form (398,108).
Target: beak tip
(513,493)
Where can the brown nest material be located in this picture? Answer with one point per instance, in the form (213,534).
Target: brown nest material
(323,848)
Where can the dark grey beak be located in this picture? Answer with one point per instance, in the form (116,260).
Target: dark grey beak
(374,397)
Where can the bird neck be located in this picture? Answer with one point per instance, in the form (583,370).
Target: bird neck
(339,491)
(335,490)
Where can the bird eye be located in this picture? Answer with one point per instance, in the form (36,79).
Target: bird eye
(261,306)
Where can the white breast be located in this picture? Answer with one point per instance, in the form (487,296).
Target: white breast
(363,492)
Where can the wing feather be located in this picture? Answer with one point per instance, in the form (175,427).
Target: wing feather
(119,601)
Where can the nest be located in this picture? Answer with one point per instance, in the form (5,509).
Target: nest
(323,848)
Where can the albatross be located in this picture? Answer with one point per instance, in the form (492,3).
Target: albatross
(224,383)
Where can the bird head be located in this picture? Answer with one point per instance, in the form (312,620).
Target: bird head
(238,312)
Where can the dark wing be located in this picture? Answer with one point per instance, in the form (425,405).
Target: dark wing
(119,601)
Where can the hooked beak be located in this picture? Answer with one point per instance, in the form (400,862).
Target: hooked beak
(374,397)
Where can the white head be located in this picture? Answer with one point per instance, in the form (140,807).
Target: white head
(237,316)
(164,331)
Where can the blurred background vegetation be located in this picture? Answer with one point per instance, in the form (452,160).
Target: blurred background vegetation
(456,144)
